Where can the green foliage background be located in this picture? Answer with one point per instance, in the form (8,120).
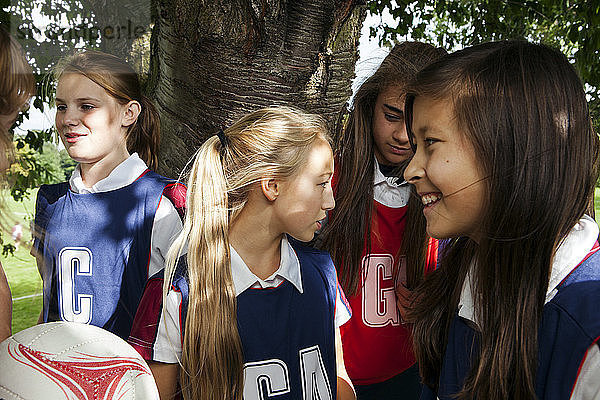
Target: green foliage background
(571,26)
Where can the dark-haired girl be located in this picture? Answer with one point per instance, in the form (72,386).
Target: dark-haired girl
(103,233)
(376,235)
(505,164)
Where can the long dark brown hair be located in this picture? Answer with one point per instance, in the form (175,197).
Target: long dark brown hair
(344,235)
(523,108)
(121,82)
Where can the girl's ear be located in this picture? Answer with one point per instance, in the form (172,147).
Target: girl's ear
(132,111)
(270,188)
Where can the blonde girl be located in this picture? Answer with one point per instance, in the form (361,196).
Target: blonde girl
(100,235)
(250,311)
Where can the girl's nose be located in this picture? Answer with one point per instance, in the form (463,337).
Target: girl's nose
(400,134)
(70,117)
(329,201)
(414,171)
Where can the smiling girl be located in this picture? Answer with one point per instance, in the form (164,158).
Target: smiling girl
(250,311)
(505,163)
(103,233)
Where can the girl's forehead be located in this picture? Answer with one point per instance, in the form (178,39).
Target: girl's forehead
(392,92)
(74,85)
(432,114)
(319,158)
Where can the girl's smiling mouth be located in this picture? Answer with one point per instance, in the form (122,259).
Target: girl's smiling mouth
(72,137)
(429,199)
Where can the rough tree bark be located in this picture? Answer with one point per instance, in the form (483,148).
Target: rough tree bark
(211,61)
(214,60)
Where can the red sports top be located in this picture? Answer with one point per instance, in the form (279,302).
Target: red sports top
(377,346)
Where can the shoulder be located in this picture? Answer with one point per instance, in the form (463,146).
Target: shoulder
(587,271)
(170,189)
(47,196)
(315,263)
(173,190)
(575,305)
(151,177)
(308,254)
(51,193)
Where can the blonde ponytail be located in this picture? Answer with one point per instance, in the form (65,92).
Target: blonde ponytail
(269,142)
(212,352)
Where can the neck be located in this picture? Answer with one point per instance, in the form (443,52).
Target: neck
(92,173)
(255,241)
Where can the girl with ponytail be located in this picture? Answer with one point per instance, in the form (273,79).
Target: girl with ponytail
(101,235)
(250,311)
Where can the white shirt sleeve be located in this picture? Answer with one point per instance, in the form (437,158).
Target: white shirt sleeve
(342,308)
(167,347)
(167,225)
(587,385)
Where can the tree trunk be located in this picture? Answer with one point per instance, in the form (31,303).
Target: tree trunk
(213,61)
(124,28)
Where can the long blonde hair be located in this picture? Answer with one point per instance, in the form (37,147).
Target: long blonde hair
(271,142)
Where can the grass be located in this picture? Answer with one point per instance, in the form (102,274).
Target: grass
(597,204)
(23,276)
(20,268)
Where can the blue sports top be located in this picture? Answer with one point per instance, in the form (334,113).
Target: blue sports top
(96,249)
(569,328)
(287,331)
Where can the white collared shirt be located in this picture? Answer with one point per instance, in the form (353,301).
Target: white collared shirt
(167,346)
(576,245)
(390,191)
(167,223)
(289,270)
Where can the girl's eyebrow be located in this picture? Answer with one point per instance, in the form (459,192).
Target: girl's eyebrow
(80,99)
(393,109)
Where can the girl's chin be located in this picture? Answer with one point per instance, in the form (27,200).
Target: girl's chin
(395,159)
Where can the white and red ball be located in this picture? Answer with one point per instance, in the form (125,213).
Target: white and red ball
(67,360)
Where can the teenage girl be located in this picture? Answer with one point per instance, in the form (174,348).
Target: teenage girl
(251,312)
(17,86)
(103,233)
(506,162)
(376,235)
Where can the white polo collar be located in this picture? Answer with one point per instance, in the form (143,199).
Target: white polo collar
(390,191)
(573,249)
(289,269)
(124,174)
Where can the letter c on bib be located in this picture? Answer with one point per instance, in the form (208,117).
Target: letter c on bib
(74,262)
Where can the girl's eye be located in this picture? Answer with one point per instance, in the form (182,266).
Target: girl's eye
(324,184)
(393,117)
(87,107)
(61,107)
(430,141)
